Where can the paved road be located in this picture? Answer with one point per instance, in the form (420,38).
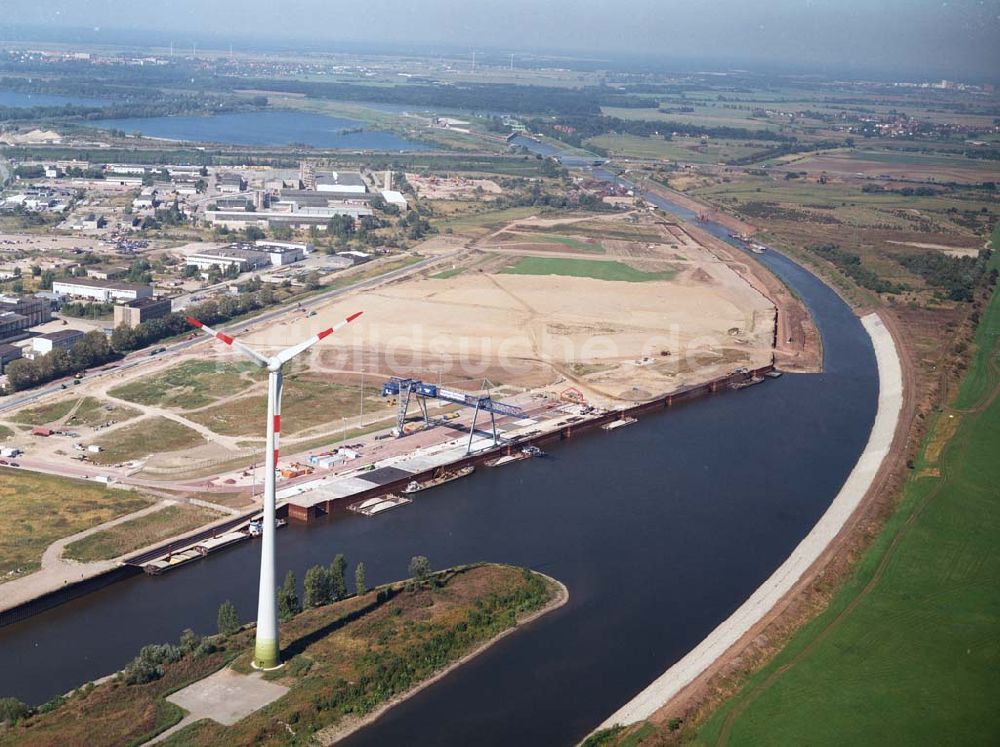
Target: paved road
(140,357)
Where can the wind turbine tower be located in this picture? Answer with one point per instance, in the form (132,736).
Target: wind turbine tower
(267,652)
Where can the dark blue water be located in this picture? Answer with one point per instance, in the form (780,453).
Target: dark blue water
(659,530)
(26,100)
(266,128)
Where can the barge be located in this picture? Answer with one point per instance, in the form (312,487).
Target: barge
(620,423)
(415,486)
(526,453)
(203,547)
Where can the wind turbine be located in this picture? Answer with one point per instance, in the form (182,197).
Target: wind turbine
(266,650)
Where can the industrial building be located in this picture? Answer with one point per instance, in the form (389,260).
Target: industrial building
(237,255)
(283,252)
(12,325)
(8,353)
(101,290)
(62,339)
(228,182)
(36,310)
(250,256)
(341,183)
(107,273)
(301,218)
(392,197)
(141,310)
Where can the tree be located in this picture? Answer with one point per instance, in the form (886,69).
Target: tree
(316,587)
(48,277)
(189,641)
(288,598)
(338,583)
(359,580)
(227,620)
(420,568)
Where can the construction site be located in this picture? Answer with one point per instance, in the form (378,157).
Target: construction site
(529,333)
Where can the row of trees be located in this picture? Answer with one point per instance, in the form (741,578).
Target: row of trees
(125,339)
(321,585)
(92,350)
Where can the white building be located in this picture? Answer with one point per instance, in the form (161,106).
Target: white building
(62,339)
(146,198)
(229,256)
(104,291)
(341,182)
(392,197)
(284,252)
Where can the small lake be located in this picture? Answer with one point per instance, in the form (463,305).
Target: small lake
(22,100)
(267,128)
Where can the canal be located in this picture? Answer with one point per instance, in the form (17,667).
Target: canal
(660,530)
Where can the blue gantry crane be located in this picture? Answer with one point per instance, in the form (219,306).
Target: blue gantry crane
(404,389)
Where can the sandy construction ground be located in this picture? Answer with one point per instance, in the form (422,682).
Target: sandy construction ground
(36,242)
(453,188)
(618,340)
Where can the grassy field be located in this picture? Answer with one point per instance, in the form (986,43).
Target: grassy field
(306,401)
(480,224)
(344,660)
(379,269)
(39,509)
(599,229)
(144,530)
(5,432)
(85,411)
(584,268)
(677,149)
(144,437)
(569,241)
(190,384)
(907,652)
(445,274)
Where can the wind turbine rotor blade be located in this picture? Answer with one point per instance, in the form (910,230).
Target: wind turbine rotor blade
(288,353)
(229,341)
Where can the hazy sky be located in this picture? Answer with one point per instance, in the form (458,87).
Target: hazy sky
(957,36)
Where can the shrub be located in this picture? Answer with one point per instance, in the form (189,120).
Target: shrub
(13,710)
(148,665)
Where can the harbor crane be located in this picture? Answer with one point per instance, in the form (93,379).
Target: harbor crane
(403,389)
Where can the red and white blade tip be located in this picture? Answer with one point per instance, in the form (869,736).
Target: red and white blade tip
(194,322)
(354,316)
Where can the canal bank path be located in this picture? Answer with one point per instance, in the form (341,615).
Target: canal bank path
(773,590)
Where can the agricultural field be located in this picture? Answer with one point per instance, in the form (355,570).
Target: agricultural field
(191,384)
(345,659)
(139,532)
(906,652)
(704,115)
(40,509)
(149,435)
(897,165)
